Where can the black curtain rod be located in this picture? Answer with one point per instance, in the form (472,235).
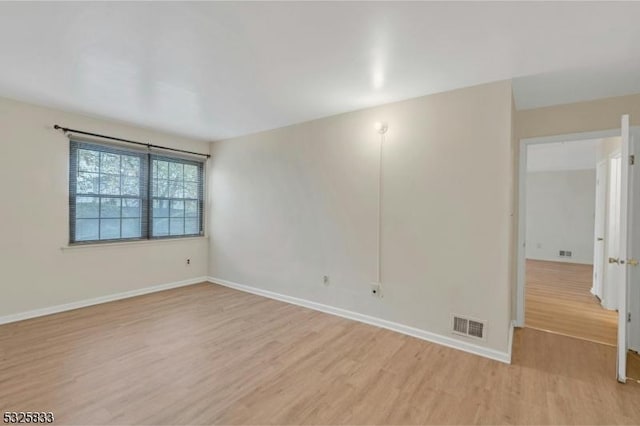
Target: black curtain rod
(148,145)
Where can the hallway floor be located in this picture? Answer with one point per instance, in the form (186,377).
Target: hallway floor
(558,299)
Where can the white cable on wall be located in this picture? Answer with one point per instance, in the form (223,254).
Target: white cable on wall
(381,128)
(379,241)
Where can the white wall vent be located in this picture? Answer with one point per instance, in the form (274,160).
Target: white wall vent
(469,327)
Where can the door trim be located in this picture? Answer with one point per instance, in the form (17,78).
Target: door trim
(600,217)
(625,240)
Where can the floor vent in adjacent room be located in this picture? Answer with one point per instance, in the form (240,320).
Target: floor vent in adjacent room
(468,327)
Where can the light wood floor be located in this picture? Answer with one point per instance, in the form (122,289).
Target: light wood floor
(207,354)
(633,366)
(558,299)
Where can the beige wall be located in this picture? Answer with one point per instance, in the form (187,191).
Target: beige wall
(34,271)
(294,204)
(601,114)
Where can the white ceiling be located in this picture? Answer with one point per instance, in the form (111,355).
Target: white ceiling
(574,155)
(563,87)
(217,70)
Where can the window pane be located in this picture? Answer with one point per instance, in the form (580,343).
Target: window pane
(131,228)
(109,163)
(109,184)
(191,226)
(110,207)
(88,183)
(191,190)
(177,226)
(131,208)
(87,207)
(177,208)
(130,186)
(130,165)
(160,227)
(160,208)
(160,188)
(88,161)
(175,189)
(161,169)
(86,229)
(191,208)
(190,173)
(175,171)
(109,229)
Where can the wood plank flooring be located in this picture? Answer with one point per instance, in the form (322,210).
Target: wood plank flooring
(633,366)
(207,354)
(558,299)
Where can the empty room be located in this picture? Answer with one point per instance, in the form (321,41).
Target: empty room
(570,288)
(347,213)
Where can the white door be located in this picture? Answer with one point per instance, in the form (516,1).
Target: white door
(633,255)
(626,215)
(612,248)
(599,228)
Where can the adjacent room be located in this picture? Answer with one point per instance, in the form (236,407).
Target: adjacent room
(569,190)
(337,213)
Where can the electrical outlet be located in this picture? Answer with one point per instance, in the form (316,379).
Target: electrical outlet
(325,280)
(375,290)
(188,262)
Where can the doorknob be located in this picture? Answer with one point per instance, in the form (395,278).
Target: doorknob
(600,239)
(614,260)
(632,262)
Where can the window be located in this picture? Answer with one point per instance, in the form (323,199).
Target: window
(177,203)
(117,194)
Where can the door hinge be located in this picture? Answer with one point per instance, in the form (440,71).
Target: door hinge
(632,160)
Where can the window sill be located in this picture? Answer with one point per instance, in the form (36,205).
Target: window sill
(131,243)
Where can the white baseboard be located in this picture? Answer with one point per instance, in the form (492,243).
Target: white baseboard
(378,322)
(562,260)
(512,328)
(97,300)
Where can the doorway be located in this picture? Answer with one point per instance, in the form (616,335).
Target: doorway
(562,245)
(626,262)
